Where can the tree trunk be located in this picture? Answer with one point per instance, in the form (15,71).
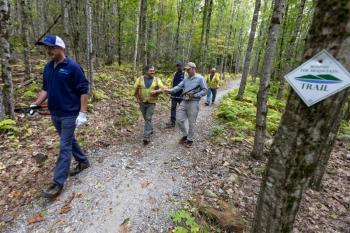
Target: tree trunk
(263,31)
(207,35)
(144,32)
(41,13)
(305,134)
(291,45)
(65,24)
(235,7)
(279,59)
(89,54)
(137,34)
(112,34)
(119,33)
(204,20)
(180,7)
(249,50)
(264,85)
(25,37)
(6,94)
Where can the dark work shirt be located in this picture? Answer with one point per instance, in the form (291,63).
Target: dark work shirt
(64,85)
(178,78)
(148,81)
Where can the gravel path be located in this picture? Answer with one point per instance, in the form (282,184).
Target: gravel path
(130,181)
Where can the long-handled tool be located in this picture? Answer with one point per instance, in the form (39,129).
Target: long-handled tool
(41,110)
(185,96)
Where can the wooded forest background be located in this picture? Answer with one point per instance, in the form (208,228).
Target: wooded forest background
(210,33)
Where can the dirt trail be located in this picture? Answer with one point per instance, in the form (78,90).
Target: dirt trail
(142,184)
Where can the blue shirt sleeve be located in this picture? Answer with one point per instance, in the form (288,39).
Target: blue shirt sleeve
(82,84)
(45,79)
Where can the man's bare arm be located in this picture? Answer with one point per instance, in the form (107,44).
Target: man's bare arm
(83,102)
(42,96)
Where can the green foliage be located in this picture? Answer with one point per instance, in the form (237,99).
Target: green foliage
(127,116)
(32,90)
(99,94)
(186,223)
(8,126)
(216,131)
(240,115)
(344,129)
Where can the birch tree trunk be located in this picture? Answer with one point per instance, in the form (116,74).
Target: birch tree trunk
(249,50)
(291,45)
(65,24)
(305,133)
(89,54)
(6,94)
(262,41)
(264,85)
(25,38)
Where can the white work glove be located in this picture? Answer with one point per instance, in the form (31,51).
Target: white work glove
(32,111)
(81,119)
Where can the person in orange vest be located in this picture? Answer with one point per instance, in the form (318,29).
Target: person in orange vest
(147,90)
(213,80)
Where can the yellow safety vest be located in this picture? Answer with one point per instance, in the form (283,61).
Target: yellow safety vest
(214,83)
(143,94)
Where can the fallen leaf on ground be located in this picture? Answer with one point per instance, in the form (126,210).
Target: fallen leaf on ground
(125,226)
(2,166)
(145,184)
(36,218)
(67,207)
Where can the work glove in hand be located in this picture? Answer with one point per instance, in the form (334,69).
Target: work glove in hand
(32,111)
(81,119)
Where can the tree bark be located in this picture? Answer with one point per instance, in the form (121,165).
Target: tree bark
(207,36)
(180,7)
(137,34)
(65,24)
(263,31)
(306,134)
(291,45)
(25,38)
(249,50)
(89,51)
(264,85)
(144,32)
(6,94)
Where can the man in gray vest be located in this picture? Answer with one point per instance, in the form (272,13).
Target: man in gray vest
(193,88)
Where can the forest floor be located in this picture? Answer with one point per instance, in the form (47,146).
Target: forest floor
(132,188)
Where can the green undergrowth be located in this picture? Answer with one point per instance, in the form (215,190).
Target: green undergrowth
(241,115)
(185,222)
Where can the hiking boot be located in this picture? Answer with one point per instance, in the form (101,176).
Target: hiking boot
(188,144)
(79,168)
(52,191)
(170,124)
(183,140)
(146,142)
(207,104)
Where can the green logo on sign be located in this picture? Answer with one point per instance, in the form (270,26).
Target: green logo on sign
(319,79)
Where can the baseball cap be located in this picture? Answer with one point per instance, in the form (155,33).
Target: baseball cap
(190,65)
(179,63)
(52,41)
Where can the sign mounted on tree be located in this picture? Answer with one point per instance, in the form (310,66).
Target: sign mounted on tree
(318,78)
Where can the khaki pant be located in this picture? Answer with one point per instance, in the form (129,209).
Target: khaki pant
(147,113)
(188,110)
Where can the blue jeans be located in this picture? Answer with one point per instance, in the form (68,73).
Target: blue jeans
(211,95)
(69,146)
(174,104)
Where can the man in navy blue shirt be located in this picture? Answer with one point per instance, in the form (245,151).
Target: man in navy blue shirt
(66,89)
(176,97)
